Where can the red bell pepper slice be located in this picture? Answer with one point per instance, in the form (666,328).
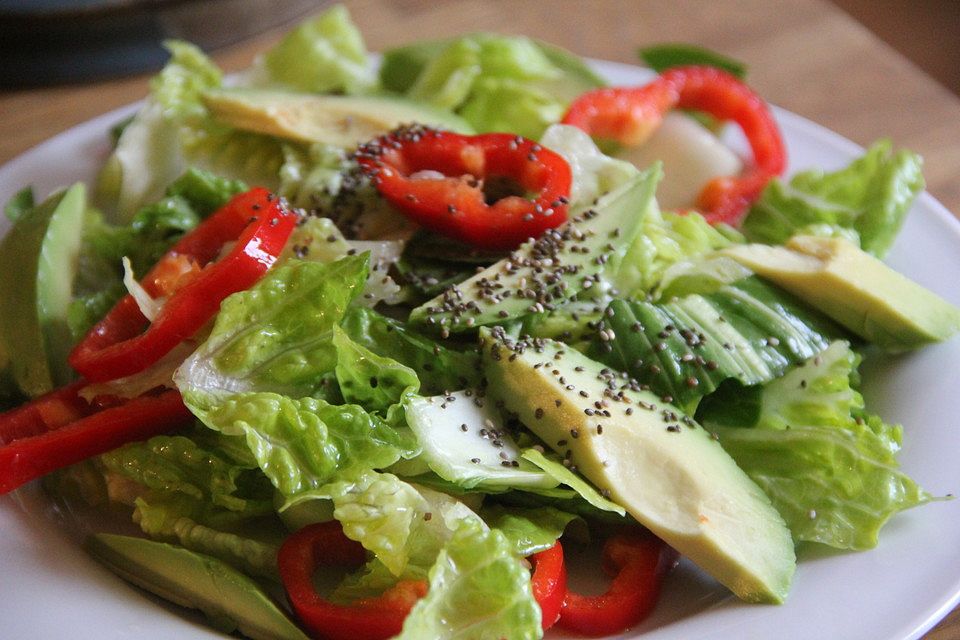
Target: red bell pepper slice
(549,582)
(325,545)
(629,115)
(33,450)
(124,343)
(637,562)
(46,413)
(437,179)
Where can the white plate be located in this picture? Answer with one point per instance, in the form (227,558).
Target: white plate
(51,589)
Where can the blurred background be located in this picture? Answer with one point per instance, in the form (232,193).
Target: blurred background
(925,31)
(44,42)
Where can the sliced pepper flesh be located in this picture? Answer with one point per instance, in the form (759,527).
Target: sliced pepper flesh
(637,561)
(628,115)
(125,343)
(325,545)
(493,190)
(549,583)
(46,444)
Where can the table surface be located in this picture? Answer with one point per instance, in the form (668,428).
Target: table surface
(804,55)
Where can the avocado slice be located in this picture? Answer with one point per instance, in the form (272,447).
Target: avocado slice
(38,262)
(855,289)
(343,121)
(544,272)
(664,468)
(231,600)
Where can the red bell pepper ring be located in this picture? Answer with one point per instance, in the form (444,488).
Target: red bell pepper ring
(325,545)
(629,115)
(437,179)
(637,563)
(37,451)
(124,343)
(549,582)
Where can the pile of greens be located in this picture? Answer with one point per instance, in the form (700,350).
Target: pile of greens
(309,388)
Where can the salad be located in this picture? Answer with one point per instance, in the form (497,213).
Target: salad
(423,332)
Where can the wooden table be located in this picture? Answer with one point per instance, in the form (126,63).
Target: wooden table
(804,55)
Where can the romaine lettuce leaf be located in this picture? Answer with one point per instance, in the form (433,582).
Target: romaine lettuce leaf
(177,464)
(478,589)
(668,238)
(439,368)
(173,131)
(324,54)
(276,336)
(528,530)
(175,518)
(594,173)
(374,382)
(405,526)
(510,104)
(302,444)
(565,476)
(495,82)
(868,199)
(464,441)
(828,467)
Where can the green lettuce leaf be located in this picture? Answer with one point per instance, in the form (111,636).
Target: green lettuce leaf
(565,476)
(178,518)
(668,239)
(405,526)
(324,54)
(828,467)
(868,199)
(173,131)
(177,464)
(528,530)
(21,202)
(495,82)
(478,589)
(374,382)
(277,336)
(302,444)
(594,173)
(439,368)
(510,104)
(661,57)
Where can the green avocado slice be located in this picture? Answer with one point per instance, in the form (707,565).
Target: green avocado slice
(547,271)
(659,464)
(855,289)
(343,121)
(38,262)
(230,600)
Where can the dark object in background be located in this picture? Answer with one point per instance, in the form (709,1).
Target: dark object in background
(45,42)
